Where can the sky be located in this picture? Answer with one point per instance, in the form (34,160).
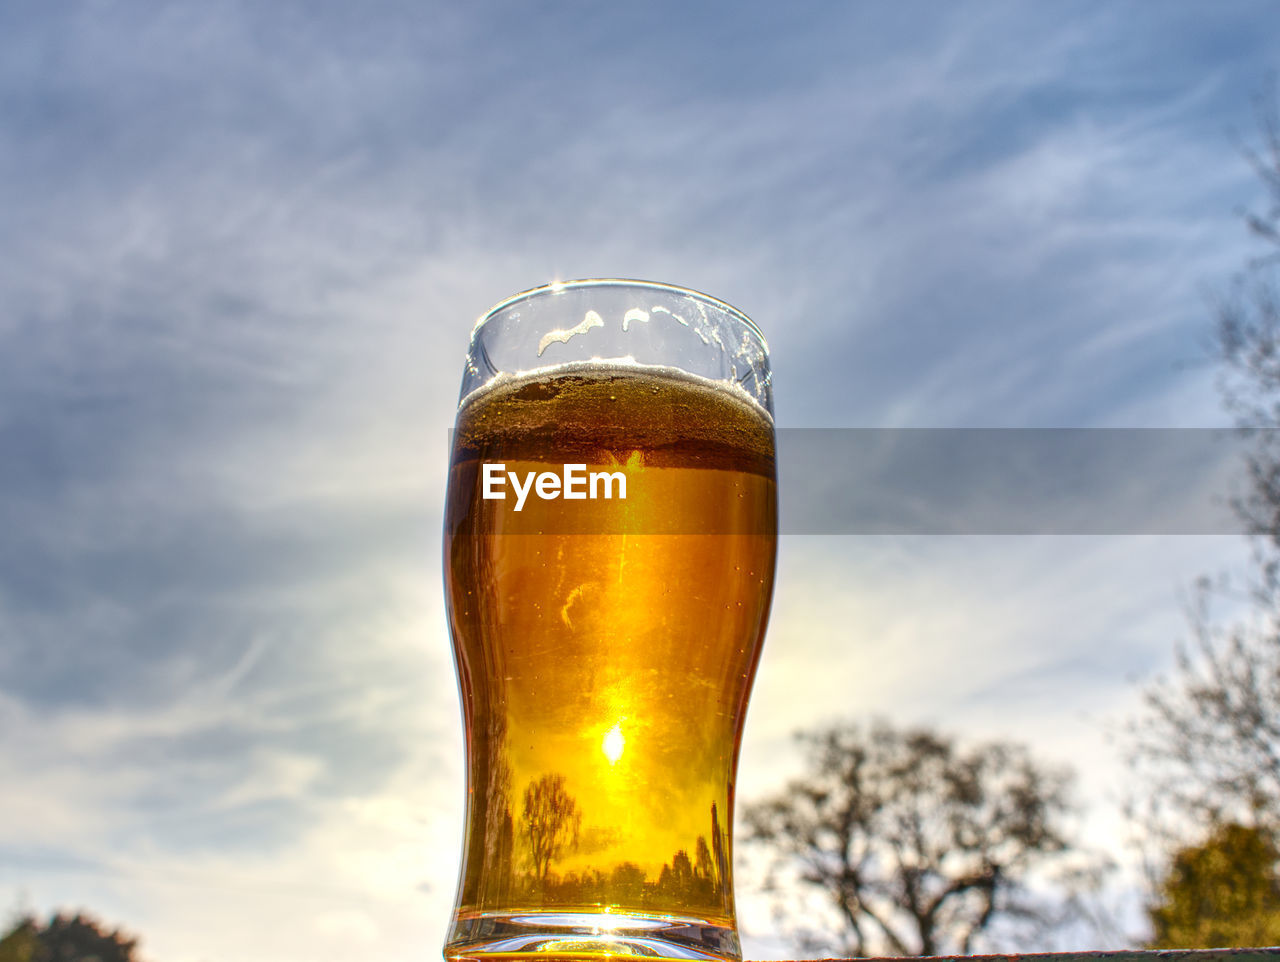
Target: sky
(242,246)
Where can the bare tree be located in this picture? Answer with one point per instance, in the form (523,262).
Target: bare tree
(919,847)
(550,823)
(1205,748)
(1207,743)
(1247,342)
(1208,739)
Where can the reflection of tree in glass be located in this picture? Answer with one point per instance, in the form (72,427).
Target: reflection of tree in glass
(499,830)
(698,882)
(550,823)
(718,850)
(489,877)
(628,881)
(676,877)
(703,868)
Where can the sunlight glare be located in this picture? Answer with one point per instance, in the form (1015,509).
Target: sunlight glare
(613,744)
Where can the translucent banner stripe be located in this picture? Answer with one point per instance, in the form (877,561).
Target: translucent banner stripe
(910,481)
(1059,481)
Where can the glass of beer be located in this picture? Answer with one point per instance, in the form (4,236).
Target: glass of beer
(609,547)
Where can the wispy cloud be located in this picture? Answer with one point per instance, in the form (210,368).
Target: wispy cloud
(242,248)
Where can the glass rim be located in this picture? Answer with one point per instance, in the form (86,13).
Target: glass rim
(557,287)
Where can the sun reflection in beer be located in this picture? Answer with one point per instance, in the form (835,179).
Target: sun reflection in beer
(614,743)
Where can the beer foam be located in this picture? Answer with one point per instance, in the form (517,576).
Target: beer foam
(599,369)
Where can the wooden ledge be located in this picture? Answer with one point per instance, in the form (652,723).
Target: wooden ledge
(1271,954)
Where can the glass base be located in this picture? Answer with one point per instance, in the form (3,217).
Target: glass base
(589,935)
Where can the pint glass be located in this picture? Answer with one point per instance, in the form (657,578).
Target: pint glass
(609,547)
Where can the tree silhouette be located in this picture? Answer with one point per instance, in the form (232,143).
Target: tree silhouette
(1223,893)
(19,943)
(917,846)
(66,938)
(550,823)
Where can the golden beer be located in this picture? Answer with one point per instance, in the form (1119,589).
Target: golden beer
(605,648)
